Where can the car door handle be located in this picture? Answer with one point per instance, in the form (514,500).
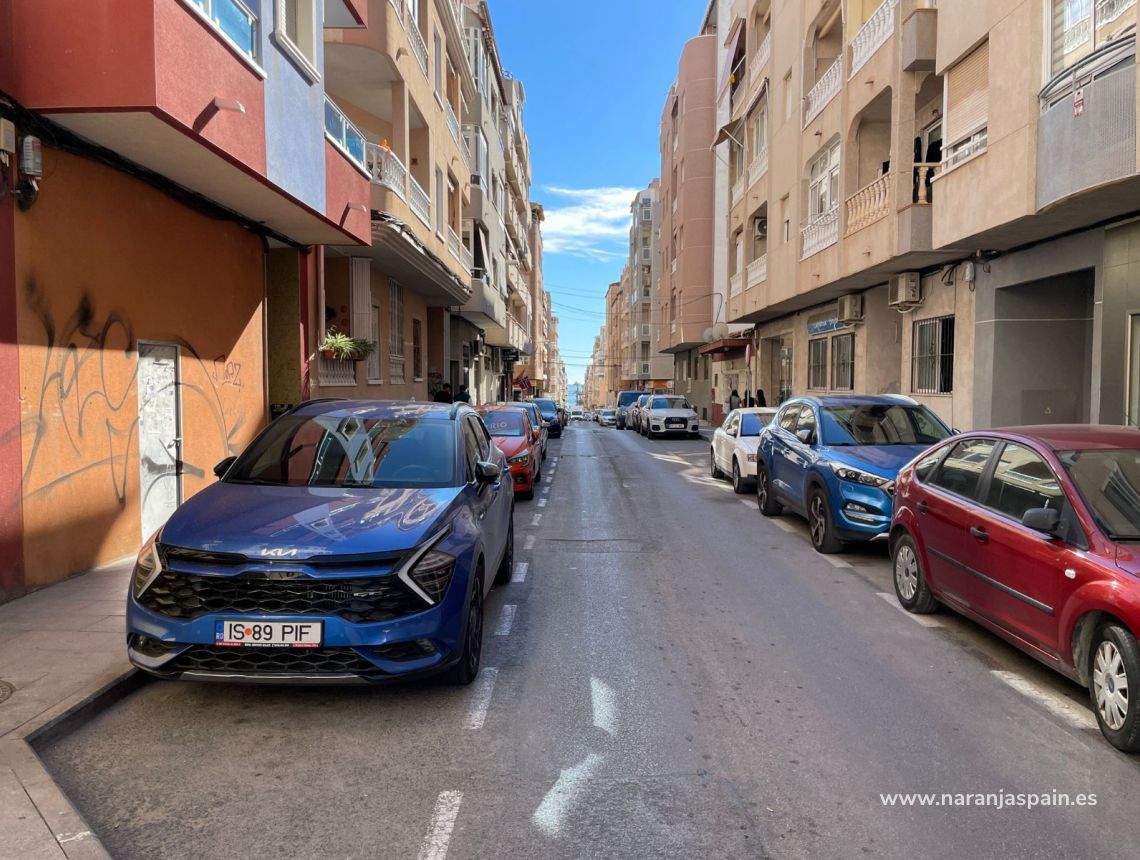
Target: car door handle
(980,534)
(922,507)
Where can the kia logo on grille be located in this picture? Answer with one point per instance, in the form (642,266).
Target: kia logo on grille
(279,553)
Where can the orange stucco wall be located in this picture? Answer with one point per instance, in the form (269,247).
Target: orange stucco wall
(102,261)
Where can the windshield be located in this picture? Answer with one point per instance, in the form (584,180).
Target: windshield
(881,424)
(546,407)
(1109,482)
(340,451)
(627,397)
(607,413)
(752,423)
(504,422)
(669,403)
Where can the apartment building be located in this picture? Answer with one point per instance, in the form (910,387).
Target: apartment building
(160,226)
(685,231)
(594,391)
(935,200)
(533,367)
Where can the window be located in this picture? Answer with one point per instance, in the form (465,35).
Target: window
(396,332)
(817,363)
(962,469)
(234,20)
(437,57)
(967,105)
(932,365)
(471,447)
(823,182)
(732,423)
(1022,480)
(374,335)
(295,33)
(789,418)
(807,422)
(417,351)
(843,362)
(481,152)
(925,466)
(760,131)
(440,202)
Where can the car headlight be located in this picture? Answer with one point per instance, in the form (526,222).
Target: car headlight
(858,476)
(524,457)
(750,456)
(147,567)
(428,571)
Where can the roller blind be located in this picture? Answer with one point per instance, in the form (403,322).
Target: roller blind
(967,94)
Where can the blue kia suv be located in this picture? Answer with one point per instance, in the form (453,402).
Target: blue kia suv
(351,541)
(833,459)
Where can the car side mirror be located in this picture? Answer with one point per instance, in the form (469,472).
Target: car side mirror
(806,436)
(487,472)
(1045,520)
(223,466)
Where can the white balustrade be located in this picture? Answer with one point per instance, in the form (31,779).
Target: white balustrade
(466,258)
(757,271)
(821,233)
(452,122)
(1108,11)
(335,371)
(453,243)
(736,284)
(419,48)
(1076,35)
(871,36)
(825,89)
(419,199)
(386,169)
(869,204)
(759,166)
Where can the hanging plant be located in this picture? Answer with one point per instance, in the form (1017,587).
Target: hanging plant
(340,346)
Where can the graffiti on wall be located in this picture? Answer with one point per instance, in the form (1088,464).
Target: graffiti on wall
(82,416)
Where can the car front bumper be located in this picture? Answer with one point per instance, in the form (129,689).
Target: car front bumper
(522,477)
(861,513)
(688,428)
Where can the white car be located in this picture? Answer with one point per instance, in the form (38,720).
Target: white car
(668,413)
(607,417)
(734,446)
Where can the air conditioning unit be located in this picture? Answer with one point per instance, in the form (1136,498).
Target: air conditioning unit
(645,368)
(905,289)
(850,309)
(760,228)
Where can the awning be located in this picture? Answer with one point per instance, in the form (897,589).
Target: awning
(725,345)
(760,93)
(735,37)
(726,133)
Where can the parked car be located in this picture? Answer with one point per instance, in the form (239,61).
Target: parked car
(624,401)
(633,417)
(350,541)
(1034,532)
(669,413)
(550,415)
(735,443)
(577,415)
(831,459)
(536,421)
(607,417)
(512,432)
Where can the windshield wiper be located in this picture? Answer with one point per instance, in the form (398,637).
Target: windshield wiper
(1121,537)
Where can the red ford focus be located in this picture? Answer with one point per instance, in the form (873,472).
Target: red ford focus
(511,430)
(1034,532)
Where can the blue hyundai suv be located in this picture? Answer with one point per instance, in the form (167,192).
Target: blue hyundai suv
(833,459)
(351,541)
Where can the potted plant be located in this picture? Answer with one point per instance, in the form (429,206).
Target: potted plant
(342,347)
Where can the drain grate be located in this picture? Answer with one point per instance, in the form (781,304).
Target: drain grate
(6,691)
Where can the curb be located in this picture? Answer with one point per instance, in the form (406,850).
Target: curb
(60,831)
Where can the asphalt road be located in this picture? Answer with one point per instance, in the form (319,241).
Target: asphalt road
(673,676)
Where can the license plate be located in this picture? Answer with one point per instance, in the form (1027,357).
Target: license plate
(292,634)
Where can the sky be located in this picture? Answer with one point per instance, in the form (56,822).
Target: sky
(595,73)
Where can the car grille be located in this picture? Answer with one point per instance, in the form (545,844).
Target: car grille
(363,599)
(674,422)
(272,661)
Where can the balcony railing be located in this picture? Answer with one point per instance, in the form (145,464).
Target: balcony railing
(417,39)
(736,284)
(757,271)
(452,122)
(738,187)
(343,133)
(466,257)
(386,169)
(825,89)
(869,204)
(759,166)
(421,203)
(1076,35)
(763,55)
(821,233)
(453,244)
(871,36)
(1108,11)
(923,173)
(335,371)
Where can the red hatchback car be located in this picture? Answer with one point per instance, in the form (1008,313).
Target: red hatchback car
(512,432)
(1034,532)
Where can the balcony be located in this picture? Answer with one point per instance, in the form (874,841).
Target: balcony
(517,335)
(757,271)
(335,371)
(415,37)
(1108,11)
(346,136)
(761,58)
(386,169)
(736,284)
(452,123)
(486,309)
(758,167)
(825,89)
(466,257)
(872,35)
(1077,34)
(420,201)
(821,233)
(738,187)
(869,204)
(454,246)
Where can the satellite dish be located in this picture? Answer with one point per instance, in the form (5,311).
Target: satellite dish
(708,335)
(720,331)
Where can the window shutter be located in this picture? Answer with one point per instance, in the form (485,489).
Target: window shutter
(967,94)
(361,297)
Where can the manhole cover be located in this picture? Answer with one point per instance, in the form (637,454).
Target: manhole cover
(6,690)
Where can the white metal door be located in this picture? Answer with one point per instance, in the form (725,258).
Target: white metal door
(160,436)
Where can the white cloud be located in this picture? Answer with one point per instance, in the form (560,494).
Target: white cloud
(593,223)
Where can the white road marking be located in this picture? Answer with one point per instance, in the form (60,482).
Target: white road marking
(482,689)
(924,620)
(542,503)
(748,503)
(1057,705)
(545,490)
(836,562)
(554,459)
(529,543)
(602,699)
(785,525)
(443,817)
(536,520)
(521,567)
(73,837)
(550,480)
(548,816)
(506,620)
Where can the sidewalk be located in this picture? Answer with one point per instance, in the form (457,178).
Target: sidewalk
(61,648)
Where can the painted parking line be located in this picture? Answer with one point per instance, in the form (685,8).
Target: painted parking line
(1056,704)
(528,545)
(602,703)
(542,503)
(482,690)
(557,802)
(924,620)
(837,562)
(785,525)
(536,519)
(748,503)
(506,619)
(443,817)
(521,568)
